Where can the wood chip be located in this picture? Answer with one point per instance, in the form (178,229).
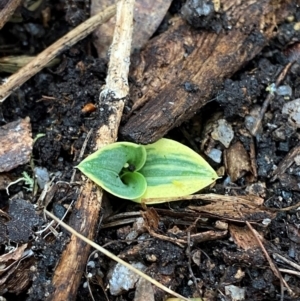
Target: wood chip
(237,161)
(243,237)
(16,144)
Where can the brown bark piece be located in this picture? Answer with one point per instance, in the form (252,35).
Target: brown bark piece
(178,71)
(243,237)
(237,161)
(15,144)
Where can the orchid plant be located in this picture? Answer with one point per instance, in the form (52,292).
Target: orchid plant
(164,169)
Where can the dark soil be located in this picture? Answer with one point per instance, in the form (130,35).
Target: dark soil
(54,100)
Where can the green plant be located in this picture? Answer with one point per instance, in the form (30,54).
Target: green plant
(135,172)
(26,178)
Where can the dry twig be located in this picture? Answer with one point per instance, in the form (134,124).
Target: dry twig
(8,10)
(291,263)
(291,272)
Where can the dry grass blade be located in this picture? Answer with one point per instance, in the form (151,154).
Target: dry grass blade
(114,257)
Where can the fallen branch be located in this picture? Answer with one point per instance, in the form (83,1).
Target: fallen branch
(39,62)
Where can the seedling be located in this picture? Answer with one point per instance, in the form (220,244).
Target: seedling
(26,178)
(38,136)
(164,169)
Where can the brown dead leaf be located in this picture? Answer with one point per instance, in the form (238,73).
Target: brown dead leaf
(148,15)
(17,280)
(16,144)
(237,161)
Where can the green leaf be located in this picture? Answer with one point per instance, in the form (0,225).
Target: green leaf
(174,170)
(114,168)
(165,169)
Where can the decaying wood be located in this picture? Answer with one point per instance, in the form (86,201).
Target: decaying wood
(16,144)
(243,237)
(84,218)
(69,270)
(179,71)
(39,62)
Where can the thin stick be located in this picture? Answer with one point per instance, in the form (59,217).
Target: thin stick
(40,61)
(291,263)
(290,272)
(113,96)
(114,257)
